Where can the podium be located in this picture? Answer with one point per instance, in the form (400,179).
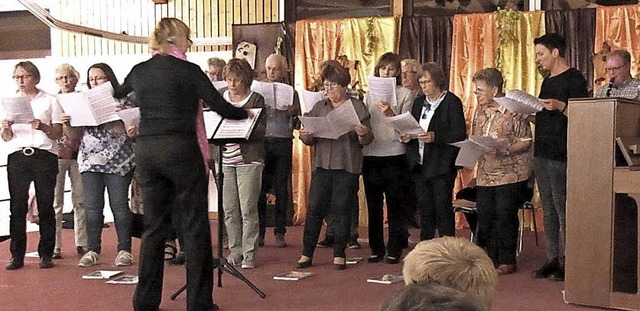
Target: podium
(603,192)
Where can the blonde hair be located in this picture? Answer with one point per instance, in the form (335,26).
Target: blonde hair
(413,63)
(68,68)
(170,31)
(453,262)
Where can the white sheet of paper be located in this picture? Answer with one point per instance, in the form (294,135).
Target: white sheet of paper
(211,121)
(518,101)
(382,89)
(219,85)
(18,109)
(91,107)
(266,90)
(130,117)
(406,124)
(283,95)
(337,122)
(229,128)
(472,148)
(310,99)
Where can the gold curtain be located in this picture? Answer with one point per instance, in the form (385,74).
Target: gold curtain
(366,39)
(619,27)
(519,57)
(473,47)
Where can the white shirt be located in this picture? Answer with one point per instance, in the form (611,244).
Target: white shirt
(45,108)
(425,119)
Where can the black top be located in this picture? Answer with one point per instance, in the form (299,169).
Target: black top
(167,91)
(551,125)
(448,125)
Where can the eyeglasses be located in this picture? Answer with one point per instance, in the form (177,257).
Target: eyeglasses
(96,79)
(423,82)
(330,86)
(479,91)
(612,69)
(23,77)
(68,78)
(408,73)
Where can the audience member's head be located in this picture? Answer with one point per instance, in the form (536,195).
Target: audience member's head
(215,66)
(453,262)
(277,68)
(618,66)
(67,78)
(432,297)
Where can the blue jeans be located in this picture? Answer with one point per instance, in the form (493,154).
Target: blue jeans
(118,190)
(551,176)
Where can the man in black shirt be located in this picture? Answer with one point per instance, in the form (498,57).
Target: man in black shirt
(550,146)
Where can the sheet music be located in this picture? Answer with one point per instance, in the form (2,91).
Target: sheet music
(220,85)
(18,109)
(337,122)
(518,101)
(238,128)
(472,148)
(130,117)
(283,95)
(382,89)
(91,107)
(406,124)
(310,99)
(266,90)
(211,121)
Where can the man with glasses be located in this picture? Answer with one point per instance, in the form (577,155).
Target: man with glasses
(621,83)
(410,69)
(67,78)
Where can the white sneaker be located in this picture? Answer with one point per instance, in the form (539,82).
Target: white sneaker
(89,259)
(248,263)
(124,258)
(234,261)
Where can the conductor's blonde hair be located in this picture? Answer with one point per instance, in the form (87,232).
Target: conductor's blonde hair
(170,31)
(453,262)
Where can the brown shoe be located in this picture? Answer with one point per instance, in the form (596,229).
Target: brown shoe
(506,269)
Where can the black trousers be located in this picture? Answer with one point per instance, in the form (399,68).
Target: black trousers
(498,220)
(174,186)
(386,177)
(277,176)
(434,196)
(331,192)
(41,168)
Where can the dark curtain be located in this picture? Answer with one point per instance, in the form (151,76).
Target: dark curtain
(427,39)
(265,37)
(578,27)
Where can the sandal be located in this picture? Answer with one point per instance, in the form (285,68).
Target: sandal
(170,252)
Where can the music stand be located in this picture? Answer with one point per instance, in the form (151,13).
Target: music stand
(221,263)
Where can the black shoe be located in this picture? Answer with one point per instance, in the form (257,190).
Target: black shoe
(260,240)
(327,242)
(14,265)
(46,263)
(546,270)
(393,260)
(353,243)
(81,250)
(179,260)
(375,258)
(557,275)
(339,263)
(304,264)
(57,255)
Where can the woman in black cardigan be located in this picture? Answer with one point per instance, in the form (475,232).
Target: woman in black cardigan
(431,157)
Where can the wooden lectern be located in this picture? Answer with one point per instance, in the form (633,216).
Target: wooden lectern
(603,192)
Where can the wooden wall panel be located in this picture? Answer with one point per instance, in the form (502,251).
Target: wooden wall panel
(206,18)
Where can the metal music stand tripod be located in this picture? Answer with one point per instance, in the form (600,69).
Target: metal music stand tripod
(221,263)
